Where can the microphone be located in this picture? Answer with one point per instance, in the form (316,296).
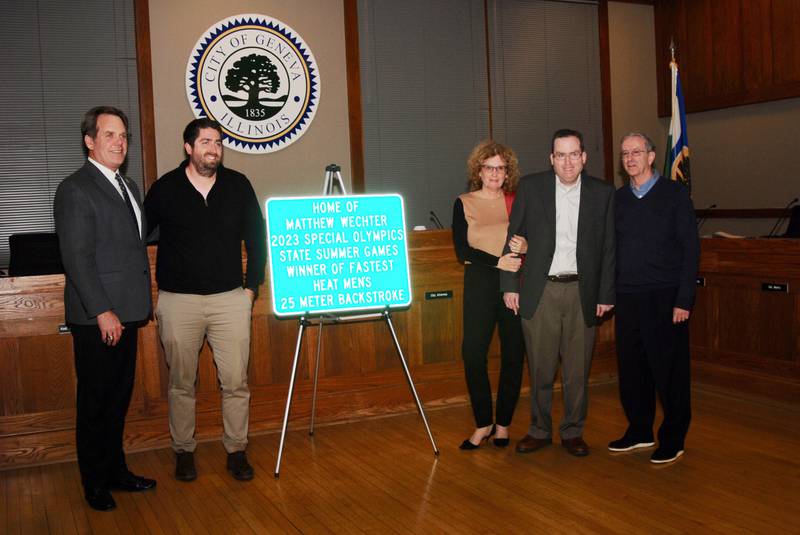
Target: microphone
(782,217)
(702,220)
(436,220)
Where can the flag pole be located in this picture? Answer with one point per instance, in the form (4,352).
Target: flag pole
(672,48)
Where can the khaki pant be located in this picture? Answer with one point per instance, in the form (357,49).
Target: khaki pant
(184,320)
(558,329)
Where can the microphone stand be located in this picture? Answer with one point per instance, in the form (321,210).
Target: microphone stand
(702,220)
(435,219)
(782,217)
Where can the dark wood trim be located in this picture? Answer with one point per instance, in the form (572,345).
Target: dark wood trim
(605,91)
(488,65)
(144,73)
(354,114)
(742,213)
(644,2)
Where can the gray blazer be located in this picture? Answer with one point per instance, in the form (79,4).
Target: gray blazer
(534,217)
(104,258)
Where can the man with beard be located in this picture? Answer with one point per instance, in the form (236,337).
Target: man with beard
(203,211)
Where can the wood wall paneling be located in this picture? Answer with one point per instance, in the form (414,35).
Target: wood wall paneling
(730,52)
(785,41)
(144,74)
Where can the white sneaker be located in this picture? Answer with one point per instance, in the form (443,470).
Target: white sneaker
(663,455)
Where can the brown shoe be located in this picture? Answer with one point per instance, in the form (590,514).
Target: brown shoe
(528,444)
(576,446)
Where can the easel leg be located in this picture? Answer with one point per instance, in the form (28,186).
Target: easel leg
(316,375)
(289,395)
(388,319)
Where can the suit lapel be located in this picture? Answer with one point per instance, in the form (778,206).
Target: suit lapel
(549,203)
(585,206)
(111,192)
(136,199)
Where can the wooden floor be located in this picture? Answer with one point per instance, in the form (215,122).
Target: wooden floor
(740,474)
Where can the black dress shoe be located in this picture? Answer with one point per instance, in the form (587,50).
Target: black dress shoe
(99,499)
(501,442)
(184,466)
(575,446)
(132,483)
(239,467)
(528,444)
(467,445)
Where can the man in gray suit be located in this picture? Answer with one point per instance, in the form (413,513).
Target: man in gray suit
(566,283)
(100,227)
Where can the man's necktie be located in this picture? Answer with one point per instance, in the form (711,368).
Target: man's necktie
(127,200)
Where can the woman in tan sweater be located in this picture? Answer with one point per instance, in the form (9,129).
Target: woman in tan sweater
(480,223)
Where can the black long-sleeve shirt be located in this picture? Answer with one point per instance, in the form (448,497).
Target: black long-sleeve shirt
(657,242)
(200,240)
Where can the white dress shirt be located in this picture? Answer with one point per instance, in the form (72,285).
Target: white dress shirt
(568,200)
(112,178)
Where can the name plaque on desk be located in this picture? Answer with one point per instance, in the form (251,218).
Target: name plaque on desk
(337,254)
(782,287)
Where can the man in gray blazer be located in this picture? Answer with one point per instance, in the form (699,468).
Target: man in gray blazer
(100,226)
(566,283)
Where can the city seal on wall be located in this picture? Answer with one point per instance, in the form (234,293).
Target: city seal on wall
(255,76)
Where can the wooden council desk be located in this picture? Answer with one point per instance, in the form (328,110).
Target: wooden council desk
(742,336)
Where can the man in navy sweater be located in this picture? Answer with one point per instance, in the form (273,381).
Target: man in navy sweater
(658,252)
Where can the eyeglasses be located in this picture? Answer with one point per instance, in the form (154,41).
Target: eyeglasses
(573,156)
(635,153)
(492,169)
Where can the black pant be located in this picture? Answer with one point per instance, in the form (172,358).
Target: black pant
(483,309)
(105,383)
(653,356)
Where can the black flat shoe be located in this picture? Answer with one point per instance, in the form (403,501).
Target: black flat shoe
(467,445)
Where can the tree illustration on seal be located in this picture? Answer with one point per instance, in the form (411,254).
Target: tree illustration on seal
(254,74)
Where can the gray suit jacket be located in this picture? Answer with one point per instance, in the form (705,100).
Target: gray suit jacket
(534,217)
(104,258)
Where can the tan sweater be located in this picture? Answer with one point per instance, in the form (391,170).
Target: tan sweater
(487,222)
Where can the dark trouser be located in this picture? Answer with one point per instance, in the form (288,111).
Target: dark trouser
(105,382)
(558,328)
(653,356)
(483,308)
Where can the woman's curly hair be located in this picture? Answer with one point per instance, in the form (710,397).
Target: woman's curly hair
(482,152)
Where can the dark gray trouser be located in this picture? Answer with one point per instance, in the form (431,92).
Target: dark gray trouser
(557,328)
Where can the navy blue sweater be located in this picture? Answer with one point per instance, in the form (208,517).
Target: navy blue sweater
(657,242)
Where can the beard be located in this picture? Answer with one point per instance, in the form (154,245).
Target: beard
(204,168)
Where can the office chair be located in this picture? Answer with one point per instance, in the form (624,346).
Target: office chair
(793,227)
(34,253)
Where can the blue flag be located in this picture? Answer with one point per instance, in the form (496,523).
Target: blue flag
(676,161)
